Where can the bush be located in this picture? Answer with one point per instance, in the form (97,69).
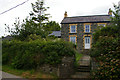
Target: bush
(106,51)
(104,45)
(105,31)
(32,54)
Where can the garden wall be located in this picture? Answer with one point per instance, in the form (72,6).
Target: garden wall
(63,70)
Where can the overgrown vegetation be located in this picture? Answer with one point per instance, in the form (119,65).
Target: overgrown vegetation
(32,54)
(106,49)
(27,73)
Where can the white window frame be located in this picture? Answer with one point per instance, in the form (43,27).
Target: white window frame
(87,42)
(71,31)
(71,39)
(101,25)
(87,30)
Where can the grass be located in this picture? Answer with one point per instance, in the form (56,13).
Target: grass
(26,73)
(78,56)
(32,73)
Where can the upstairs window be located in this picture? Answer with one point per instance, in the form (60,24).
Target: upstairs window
(87,28)
(101,25)
(73,29)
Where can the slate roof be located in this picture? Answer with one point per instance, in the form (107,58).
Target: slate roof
(7,38)
(56,33)
(86,19)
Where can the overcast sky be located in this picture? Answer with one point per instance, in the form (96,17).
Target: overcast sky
(57,9)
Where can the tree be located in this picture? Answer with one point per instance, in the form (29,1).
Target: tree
(52,26)
(106,49)
(34,25)
(38,14)
(116,18)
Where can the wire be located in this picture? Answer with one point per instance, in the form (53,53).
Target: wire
(14,7)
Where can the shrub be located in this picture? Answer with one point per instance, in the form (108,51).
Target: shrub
(32,54)
(104,45)
(105,31)
(106,52)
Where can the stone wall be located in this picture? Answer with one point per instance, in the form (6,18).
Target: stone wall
(65,32)
(67,67)
(94,64)
(46,68)
(63,70)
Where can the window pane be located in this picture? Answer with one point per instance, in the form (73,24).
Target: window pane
(73,39)
(87,28)
(73,28)
(102,25)
(88,40)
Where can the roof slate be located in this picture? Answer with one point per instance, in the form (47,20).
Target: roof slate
(86,19)
(56,33)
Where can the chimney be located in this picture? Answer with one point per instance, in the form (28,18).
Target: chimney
(65,15)
(110,12)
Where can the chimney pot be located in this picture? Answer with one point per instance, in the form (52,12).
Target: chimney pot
(65,15)
(110,12)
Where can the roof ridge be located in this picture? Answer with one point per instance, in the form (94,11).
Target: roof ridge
(86,16)
(83,19)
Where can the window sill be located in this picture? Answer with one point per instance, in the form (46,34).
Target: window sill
(87,32)
(73,32)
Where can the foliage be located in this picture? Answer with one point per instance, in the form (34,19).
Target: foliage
(38,13)
(52,26)
(106,49)
(106,52)
(105,31)
(36,24)
(26,73)
(28,55)
(78,56)
(26,28)
(116,18)
(104,45)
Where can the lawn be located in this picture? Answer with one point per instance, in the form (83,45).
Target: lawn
(26,73)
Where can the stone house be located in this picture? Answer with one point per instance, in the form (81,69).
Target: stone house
(80,29)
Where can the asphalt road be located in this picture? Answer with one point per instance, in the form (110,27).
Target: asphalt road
(7,76)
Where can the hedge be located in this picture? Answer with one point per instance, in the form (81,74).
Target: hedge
(28,55)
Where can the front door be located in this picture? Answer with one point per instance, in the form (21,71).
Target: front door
(87,42)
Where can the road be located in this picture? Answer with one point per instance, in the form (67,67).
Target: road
(7,76)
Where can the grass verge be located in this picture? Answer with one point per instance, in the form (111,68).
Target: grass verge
(26,73)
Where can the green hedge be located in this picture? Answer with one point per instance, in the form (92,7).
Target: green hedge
(106,50)
(28,55)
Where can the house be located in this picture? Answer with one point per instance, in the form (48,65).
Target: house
(7,38)
(80,29)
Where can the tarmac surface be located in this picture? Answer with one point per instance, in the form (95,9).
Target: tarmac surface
(8,76)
